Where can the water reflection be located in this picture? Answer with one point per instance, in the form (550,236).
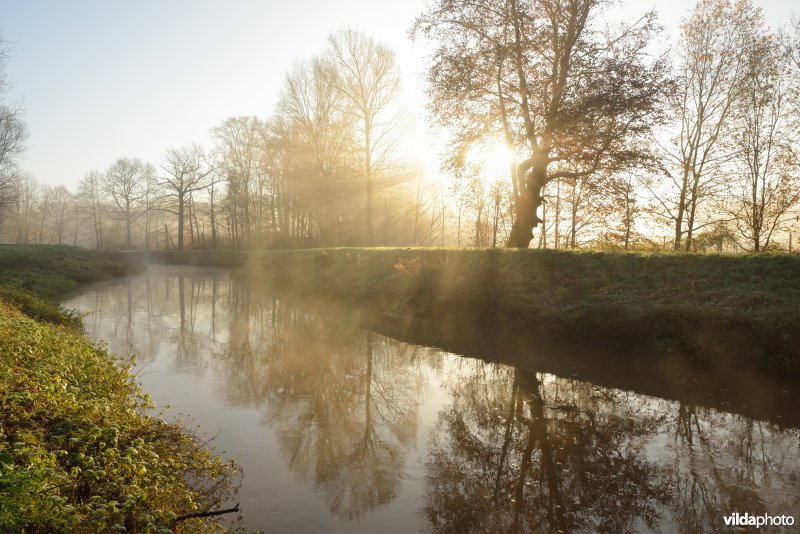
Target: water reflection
(520,452)
(726,462)
(343,403)
(341,429)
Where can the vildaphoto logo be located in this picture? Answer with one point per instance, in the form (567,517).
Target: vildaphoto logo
(749,520)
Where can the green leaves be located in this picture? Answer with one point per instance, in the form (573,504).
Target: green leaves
(5,461)
(76,451)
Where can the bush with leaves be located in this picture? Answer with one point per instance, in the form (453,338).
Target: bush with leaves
(77,450)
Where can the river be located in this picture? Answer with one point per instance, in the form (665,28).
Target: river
(343,429)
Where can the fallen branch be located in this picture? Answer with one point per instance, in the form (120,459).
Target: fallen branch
(194,515)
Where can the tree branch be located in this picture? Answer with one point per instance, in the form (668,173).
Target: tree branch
(207,513)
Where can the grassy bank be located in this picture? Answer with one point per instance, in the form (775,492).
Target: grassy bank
(712,309)
(34,278)
(76,450)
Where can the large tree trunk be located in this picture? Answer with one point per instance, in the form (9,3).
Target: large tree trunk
(522,230)
(676,243)
(526,207)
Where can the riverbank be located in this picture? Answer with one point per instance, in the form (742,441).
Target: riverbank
(711,310)
(77,450)
(34,278)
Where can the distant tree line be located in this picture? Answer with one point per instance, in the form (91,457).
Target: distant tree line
(610,144)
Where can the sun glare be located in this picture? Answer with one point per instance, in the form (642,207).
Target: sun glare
(492,159)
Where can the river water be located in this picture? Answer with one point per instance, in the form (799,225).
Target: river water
(342,429)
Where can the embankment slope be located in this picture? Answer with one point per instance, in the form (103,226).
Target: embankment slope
(78,451)
(736,310)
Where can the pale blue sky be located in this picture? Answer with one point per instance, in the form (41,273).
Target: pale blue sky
(107,79)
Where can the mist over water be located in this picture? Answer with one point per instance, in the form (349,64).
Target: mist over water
(340,429)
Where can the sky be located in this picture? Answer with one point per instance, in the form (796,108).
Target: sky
(100,80)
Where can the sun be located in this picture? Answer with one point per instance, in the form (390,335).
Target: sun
(492,159)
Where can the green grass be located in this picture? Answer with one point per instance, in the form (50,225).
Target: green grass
(738,310)
(77,450)
(34,277)
(71,263)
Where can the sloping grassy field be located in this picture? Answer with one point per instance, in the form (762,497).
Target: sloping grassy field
(35,277)
(741,310)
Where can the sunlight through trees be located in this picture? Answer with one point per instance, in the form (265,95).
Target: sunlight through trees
(563,128)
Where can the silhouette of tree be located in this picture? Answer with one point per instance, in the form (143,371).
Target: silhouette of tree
(13,134)
(187,171)
(364,72)
(126,183)
(568,97)
(768,184)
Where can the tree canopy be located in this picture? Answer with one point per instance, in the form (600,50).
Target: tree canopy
(571,96)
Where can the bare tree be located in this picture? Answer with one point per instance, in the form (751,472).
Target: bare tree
(239,145)
(90,197)
(767,185)
(57,203)
(711,64)
(586,207)
(12,134)
(792,44)
(365,72)
(317,137)
(214,179)
(187,171)
(126,182)
(27,198)
(625,208)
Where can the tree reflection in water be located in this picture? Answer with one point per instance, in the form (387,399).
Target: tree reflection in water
(343,402)
(517,453)
(522,452)
(504,449)
(723,463)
